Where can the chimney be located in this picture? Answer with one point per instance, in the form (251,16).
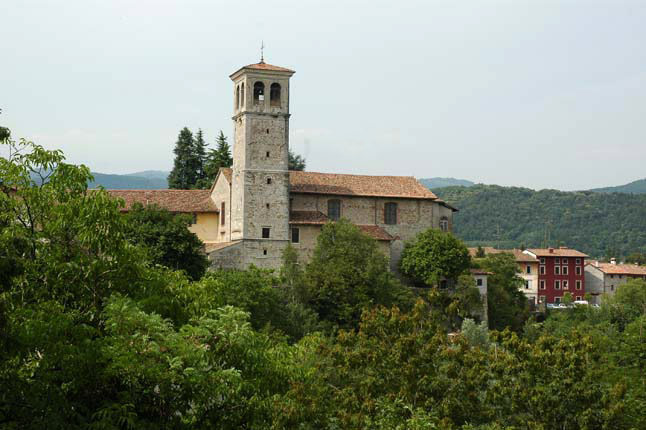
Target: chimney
(596,263)
(551,250)
(613,261)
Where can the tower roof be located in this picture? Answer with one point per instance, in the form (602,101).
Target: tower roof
(262,66)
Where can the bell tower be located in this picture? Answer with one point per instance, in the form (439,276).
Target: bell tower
(260,177)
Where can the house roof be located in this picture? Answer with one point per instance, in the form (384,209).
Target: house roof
(358,185)
(263,66)
(171,200)
(619,269)
(308,217)
(319,218)
(376,232)
(480,272)
(521,257)
(563,251)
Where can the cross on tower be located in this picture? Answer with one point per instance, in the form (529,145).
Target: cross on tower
(262,52)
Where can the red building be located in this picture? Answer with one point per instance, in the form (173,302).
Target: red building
(560,270)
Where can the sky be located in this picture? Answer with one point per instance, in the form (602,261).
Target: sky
(540,94)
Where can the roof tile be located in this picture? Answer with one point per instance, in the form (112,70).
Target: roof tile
(171,200)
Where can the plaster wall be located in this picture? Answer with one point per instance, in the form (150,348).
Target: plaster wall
(206,227)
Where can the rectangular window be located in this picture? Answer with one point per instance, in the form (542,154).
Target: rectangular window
(542,260)
(557,270)
(564,260)
(265,232)
(296,235)
(578,261)
(578,298)
(528,285)
(578,270)
(557,285)
(334,209)
(542,284)
(542,270)
(390,213)
(565,285)
(557,300)
(578,285)
(557,260)
(222,206)
(528,269)
(565,270)
(479,282)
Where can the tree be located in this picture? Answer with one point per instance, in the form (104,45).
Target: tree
(218,158)
(480,253)
(296,162)
(167,239)
(200,158)
(184,174)
(434,256)
(507,305)
(348,273)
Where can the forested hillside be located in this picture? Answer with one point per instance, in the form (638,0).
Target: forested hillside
(598,224)
(635,187)
(433,183)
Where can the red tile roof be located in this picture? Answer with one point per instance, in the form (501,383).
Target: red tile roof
(620,269)
(172,200)
(557,252)
(480,272)
(307,217)
(376,232)
(263,66)
(520,255)
(358,185)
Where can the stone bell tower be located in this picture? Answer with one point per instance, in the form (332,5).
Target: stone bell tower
(260,181)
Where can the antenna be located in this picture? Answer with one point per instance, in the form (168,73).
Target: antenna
(262,52)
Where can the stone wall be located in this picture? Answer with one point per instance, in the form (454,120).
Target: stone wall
(221,193)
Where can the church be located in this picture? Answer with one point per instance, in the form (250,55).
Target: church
(257,207)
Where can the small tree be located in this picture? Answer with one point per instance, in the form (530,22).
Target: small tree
(296,162)
(568,299)
(480,253)
(347,273)
(476,334)
(434,256)
(218,158)
(168,240)
(184,173)
(200,158)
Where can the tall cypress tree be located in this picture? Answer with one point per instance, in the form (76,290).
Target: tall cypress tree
(200,155)
(184,174)
(218,157)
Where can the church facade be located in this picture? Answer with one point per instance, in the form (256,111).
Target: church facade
(257,207)
(262,206)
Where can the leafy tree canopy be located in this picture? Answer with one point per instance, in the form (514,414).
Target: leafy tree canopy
(296,161)
(434,256)
(167,238)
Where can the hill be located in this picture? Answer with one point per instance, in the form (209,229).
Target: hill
(595,223)
(435,183)
(635,187)
(149,180)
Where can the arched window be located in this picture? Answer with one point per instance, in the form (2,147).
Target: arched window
(444,224)
(390,213)
(334,209)
(274,94)
(258,93)
(242,96)
(237,97)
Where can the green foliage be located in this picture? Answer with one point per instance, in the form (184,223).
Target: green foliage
(507,305)
(295,161)
(636,258)
(347,273)
(167,239)
(477,335)
(434,256)
(508,217)
(200,159)
(217,158)
(184,175)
